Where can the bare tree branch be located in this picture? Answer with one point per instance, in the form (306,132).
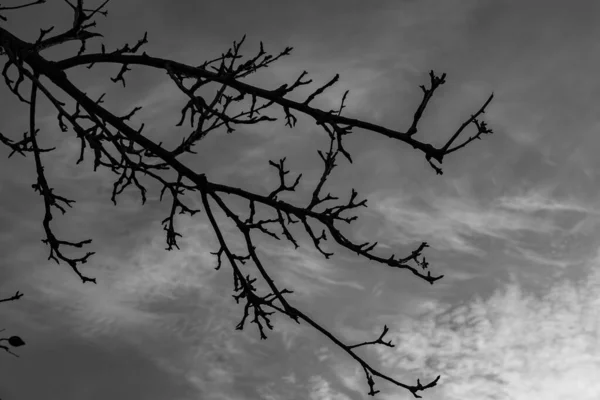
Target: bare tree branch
(125,151)
(11,8)
(14,341)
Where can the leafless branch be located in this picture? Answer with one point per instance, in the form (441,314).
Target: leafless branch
(11,8)
(130,155)
(14,341)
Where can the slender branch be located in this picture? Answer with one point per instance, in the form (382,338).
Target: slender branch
(274,96)
(14,297)
(11,8)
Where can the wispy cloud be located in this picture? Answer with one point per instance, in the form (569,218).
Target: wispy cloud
(305,270)
(541,200)
(551,259)
(151,294)
(451,223)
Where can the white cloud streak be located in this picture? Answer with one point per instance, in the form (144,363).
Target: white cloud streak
(305,270)
(538,200)
(450,223)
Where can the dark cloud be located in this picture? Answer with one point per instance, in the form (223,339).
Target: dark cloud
(63,365)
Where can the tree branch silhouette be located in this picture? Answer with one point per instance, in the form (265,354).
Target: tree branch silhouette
(13,341)
(117,146)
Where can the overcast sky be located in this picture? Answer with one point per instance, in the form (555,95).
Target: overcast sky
(514,222)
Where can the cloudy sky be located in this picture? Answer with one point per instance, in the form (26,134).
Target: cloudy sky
(514,222)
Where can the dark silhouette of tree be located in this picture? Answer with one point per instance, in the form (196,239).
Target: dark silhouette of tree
(114,144)
(12,341)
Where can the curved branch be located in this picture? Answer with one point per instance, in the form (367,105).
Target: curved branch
(272,95)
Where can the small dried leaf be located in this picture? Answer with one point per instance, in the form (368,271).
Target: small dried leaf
(15,341)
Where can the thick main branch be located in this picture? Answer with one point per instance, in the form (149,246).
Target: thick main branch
(271,95)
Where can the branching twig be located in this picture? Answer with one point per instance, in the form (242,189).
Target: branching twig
(14,341)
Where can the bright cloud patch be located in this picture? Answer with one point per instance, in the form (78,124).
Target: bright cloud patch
(512,346)
(321,390)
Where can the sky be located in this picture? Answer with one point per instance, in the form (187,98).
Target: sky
(513,224)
